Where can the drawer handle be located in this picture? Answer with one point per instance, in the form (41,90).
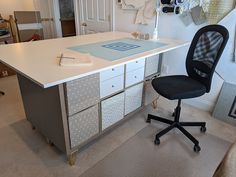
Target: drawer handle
(135,77)
(113,69)
(112,86)
(136,61)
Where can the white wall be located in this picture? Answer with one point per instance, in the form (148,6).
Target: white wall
(124,21)
(171,26)
(227,65)
(7,7)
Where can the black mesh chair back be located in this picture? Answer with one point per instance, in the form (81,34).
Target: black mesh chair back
(204,53)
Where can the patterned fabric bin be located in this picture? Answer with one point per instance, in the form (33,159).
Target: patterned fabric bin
(83,126)
(82,93)
(112,110)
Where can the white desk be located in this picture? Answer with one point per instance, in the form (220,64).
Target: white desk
(38,62)
(72,106)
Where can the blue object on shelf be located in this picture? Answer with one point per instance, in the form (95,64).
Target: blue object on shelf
(118,49)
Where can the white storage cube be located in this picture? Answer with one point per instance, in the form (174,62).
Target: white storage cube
(134,77)
(135,65)
(111,86)
(110,73)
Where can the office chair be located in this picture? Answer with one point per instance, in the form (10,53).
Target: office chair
(203,55)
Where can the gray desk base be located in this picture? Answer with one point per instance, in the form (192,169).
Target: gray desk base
(46,110)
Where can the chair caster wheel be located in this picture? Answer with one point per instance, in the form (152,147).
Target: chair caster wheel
(203,129)
(197,148)
(148,121)
(157,141)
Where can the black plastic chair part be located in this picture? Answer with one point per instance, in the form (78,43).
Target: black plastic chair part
(204,53)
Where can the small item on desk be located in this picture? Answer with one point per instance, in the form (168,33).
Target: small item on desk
(135,34)
(139,35)
(144,36)
(71,58)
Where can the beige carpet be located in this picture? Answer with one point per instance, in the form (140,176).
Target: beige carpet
(25,153)
(139,157)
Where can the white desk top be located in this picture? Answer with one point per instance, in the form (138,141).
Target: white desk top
(38,60)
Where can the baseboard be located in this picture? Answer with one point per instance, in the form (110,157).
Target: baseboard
(201,104)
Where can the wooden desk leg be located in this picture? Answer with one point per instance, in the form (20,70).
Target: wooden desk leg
(72,158)
(154,103)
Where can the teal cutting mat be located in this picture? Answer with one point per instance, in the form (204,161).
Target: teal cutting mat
(117,49)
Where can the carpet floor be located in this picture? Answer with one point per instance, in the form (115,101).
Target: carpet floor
(174,157)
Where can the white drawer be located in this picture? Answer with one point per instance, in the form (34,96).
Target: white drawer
(111,86)
(110,73)
(151,65)
(135,65)
(133,98)
(112,110)
(134,77)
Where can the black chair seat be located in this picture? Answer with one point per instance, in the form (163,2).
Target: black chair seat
(178,87)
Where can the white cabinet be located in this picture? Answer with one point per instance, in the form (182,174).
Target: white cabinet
(110,73)
(133,98)
(134,72)
(135,65)
(111,81)
(134,77)
(112,110)
(111,86)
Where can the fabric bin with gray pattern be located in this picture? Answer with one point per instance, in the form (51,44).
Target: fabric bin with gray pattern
(82,93)
(83,126)
(112,110)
